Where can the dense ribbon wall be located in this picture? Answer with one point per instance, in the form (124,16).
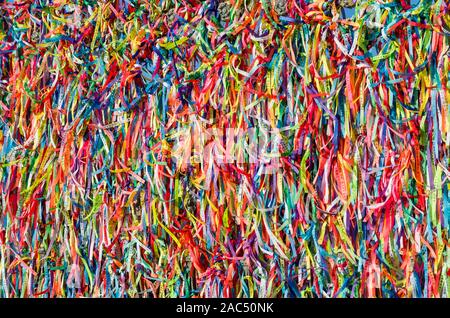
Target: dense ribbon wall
(103,193)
